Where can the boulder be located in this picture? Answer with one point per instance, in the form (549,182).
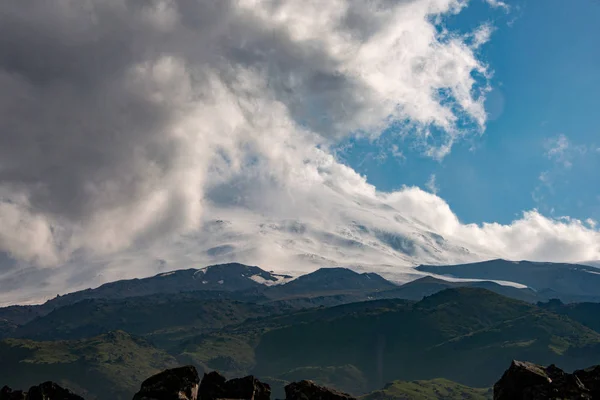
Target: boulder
(45,391)
(51,391)
(527,381)
(590,377)
(171,384)
(211,386)
(308,390)
(7,393)
(215,386)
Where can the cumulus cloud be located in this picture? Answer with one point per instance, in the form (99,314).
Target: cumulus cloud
(116,115)
(125,121)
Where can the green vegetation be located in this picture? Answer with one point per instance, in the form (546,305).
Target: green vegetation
(429,390)
(163,320)
(584,313)
(111,366)
(466,335)
(344,377)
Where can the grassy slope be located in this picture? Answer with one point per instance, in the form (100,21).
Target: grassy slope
(429,390)
(110,366)
(585,313)
(162,319)
(468,335)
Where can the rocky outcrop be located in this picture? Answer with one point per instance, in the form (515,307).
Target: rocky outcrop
(590,377)
(214,386)
(522,381)
(527,381)
(172,384)
(45,391)
(7,393)
(308,390)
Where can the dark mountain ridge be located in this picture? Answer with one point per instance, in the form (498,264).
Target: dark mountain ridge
(570,282)
(324,287)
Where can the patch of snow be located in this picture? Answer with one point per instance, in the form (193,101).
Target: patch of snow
(595,264)
(204,282)
(267,282)
(199,271)
(167,273)
(591,272)
(449,278)
(221,282)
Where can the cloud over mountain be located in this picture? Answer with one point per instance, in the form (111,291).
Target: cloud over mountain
(123,122)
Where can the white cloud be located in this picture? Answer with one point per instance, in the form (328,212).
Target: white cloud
(140,106)
(482,35)
(432,185)
(146,119)
(559,149)
(397,153)
(498,4)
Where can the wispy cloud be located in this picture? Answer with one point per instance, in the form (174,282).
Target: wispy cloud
(560,150)
(498,4)
(565,156)
(482,35)
(432,184)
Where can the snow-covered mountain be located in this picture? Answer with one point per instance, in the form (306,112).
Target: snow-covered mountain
(591,263)
(365,237)
(359,233)
(547,278)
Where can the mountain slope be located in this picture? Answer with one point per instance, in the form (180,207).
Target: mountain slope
(437,337)
(572,281)
(111,366)
(434,389)
(163,319)
(429,285)
(225,277)
(331,281)
(587,314)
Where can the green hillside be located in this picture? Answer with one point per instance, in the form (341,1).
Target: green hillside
(467,335)
(585,313)
(110,366)
(162,319)
(434,389)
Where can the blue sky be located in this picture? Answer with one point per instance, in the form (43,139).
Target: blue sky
(540,148)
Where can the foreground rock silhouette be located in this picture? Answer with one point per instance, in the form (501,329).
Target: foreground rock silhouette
(177,384)
(522,381)
(214,386)
(308,390)
(45,391)
(527,381)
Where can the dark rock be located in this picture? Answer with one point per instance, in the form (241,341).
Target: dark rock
(211,386)
(590,377)
(171,384)
(215,386)
(7,393)
(527,381)
(308,390)
(247,388)
(45,391)
(51,391)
